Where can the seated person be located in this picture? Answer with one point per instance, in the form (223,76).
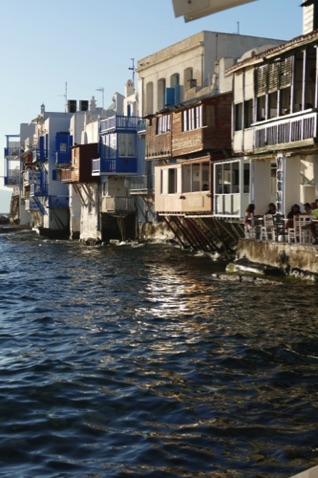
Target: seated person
(249,215)
(312,225)
(295,211)
(271,209)
(307,208)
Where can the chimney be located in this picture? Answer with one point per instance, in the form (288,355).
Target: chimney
(310,16)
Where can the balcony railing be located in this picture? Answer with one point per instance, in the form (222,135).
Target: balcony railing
(58,201)
(230,205)
(119,165)
(141,128)
(30,176)
(38,190)
(12,180)
(31,205)
(299,126)
(141,184)
(66,175)
(118,204)
(40,155)
(11,151)
(119,122)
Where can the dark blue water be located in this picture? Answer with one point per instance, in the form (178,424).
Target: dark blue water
(134,361)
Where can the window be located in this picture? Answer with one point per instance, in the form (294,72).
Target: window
(272,104)
(196,177)
(161,94)
(246,178)
(186,178)
(227,177)
(188,76)
(238,116)
(126,145)
(273,177)
(149,98)
(192,118)
(248,113)
(172,181)
(174,80)
(261,112)
(163,124)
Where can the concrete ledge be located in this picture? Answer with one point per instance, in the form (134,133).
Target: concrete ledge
(292,259)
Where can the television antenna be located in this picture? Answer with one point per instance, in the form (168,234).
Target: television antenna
(132,67)
(65,96)
(102,90)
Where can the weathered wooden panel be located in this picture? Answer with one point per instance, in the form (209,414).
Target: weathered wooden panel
(82,156)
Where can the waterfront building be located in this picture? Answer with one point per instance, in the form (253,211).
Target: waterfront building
(275,102)
(12,172)
(107,161)
(45,149)
(121,159)
(186,100)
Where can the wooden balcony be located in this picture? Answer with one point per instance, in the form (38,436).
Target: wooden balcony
(158,146)
(180,203)
(67,176)
(298,130)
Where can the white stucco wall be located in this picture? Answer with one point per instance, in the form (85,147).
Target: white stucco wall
(89,222)
(200,52)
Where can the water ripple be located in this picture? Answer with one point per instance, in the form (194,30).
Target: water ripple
(119,361)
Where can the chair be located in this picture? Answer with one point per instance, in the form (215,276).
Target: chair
(297,233)
(305,233)
(279,225)
(249,231)
(268,228)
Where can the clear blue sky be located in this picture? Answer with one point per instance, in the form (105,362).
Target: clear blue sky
(89,44)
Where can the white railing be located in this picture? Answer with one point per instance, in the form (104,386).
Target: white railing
(295,127)
(230,205)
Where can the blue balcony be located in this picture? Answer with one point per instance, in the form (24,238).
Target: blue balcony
(114,166)
(40,155)
(11,151)
(58,201)
(12,180)
(38,190)
(118,122)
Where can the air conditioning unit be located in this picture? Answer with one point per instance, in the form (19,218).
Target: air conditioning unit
(71,106)
(83,105)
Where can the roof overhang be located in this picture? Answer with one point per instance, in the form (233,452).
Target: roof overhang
(194,9)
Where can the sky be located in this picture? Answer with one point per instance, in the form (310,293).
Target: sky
(49,49)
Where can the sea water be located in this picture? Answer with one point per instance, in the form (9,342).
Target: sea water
(133,360)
